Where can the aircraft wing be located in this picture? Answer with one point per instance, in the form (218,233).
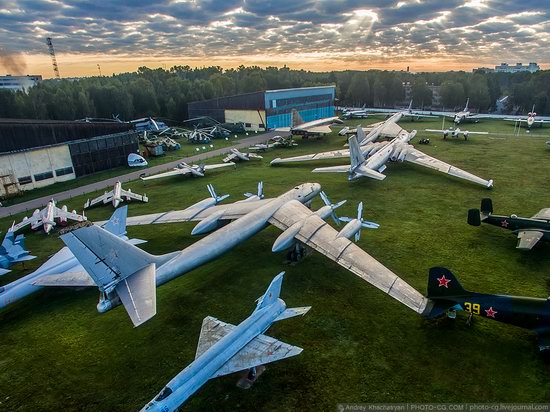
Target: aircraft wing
(528,238)
(331,169)
(133,195)
(173,172)
(219,165)
(104,198)
(78,278)
(67,215)
(259,351)
(231,211)
(543,214)
(229,157)
(315,129)
(518,120)
(335,154)
(31,220)
(320,236)
(417,157)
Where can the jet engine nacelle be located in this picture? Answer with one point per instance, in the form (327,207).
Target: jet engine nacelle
(36,212)
(287,238)
(107,303)
(209,224)
(399,153)
(350,229)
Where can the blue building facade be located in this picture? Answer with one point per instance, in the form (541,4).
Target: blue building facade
(311,102)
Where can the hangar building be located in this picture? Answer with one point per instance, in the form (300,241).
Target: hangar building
(37,153)
(268,109)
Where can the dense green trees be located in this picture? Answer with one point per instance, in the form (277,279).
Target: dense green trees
(165,93)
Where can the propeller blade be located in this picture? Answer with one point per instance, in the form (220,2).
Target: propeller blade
(360,211)
(345,219)
(358,236)
(369,225)
(337,205)
(261,190)
(325,198)
(211,191)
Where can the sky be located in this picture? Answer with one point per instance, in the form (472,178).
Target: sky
(120,36)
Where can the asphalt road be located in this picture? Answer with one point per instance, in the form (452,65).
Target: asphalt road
(92,187)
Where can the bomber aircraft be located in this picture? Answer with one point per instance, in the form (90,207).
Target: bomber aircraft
(454,133)
(276,141)
(236,155)
(115,197)
(128,275)
(447,295)
(530,120)
(528,229)
(307,129)
(361,113)
(184,169)
(224,348)
(47,218)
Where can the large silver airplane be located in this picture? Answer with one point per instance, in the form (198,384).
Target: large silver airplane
(115,197)
(313,128)
(224,348)
(184,169)
(454,133)
(236,155)
(47,218)
(530,120)
(370,160)
(129,276)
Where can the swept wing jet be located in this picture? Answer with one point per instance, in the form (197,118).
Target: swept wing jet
(530,120)
(47,218)
(115,197)
(236,155)
(446,294)
(128,275)
(529,230)
(454,133)
(351,113)
(276,141)
(13,251)
(408,112)
(313,128)
(224,348)
(184,169)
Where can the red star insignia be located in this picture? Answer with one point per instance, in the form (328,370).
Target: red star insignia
(443,281)
(491,312)
(504,223)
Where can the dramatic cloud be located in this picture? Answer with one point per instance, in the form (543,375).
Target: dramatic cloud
(463,31)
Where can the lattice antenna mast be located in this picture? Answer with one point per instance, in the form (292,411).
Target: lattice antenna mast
(54,60)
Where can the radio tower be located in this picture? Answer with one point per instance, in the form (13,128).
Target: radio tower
(52,54)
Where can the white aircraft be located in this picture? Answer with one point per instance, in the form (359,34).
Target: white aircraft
(530,120)
(47,218)
(276,141)
(135,160)
(350,113)
(238,156)
(313,128)
(465,115)
(455,133)
(184,169)
(116,196)
(408,112)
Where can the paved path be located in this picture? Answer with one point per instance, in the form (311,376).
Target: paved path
(92,187)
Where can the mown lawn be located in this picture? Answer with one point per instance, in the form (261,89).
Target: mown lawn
(359,344)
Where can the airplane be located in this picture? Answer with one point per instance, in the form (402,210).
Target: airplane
(46,218)
(135,160)
(13,251)
(235,154)
(528,229)
(224,348)
(251,196)
(408,112)
(455,133)
(465,115)
(62,269)
(129,276)
(379,154)
(116,196)
(184,169)
(354,113)
(530,120)
(276,141)
(307,129)
(447,295)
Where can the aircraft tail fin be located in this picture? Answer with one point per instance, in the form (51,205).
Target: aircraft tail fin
(442,283)
(15,247)
(117,223)
(296,118)
(272,293)
(476,216)
(356,156)
(466,106)
(410,106)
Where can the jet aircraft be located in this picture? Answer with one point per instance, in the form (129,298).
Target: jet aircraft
(307,129)
(276,141)
(47,218)
(115,197)
(224,348)
(13,251)
(361,113)
(530,120)
(408,112)
(184,169)
(446,293)
(529,230)
(128,275)
(236,155)
(455,133)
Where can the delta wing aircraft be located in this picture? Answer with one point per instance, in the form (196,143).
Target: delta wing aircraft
(447,295)
(454,133)
(239,156)
(530,120)
(47,218)
(183,169)
(224,348)
(115,197)
(306,129)
(13,251)
(528,229)
(379,154)
(127,275)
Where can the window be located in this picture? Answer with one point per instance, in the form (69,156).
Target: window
(25,180)
(247,125)
(64,171)
(43,176)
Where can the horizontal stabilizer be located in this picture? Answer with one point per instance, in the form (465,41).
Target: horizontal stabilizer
(366,172)
(331,169)
(68,279)
(4,271)
(291,312)
(139,295)
(527,239)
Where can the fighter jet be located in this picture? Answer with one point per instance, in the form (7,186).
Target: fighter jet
(307,129)
(276,141)
(379,154)
(224,348)
(13,251)
(184,169)
(455,133)
(238,156)
(127,275)
(529,230)
(530,120)
(447,295)
(361,113)
(47,218)
(115,197)
(62,269)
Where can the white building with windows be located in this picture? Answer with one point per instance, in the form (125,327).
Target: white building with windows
(19,82)
(518,67)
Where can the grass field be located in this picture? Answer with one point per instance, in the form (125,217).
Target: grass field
(359,344)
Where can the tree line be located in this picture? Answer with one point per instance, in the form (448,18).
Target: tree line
(165,93)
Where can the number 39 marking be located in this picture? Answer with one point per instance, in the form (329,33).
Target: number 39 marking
(472,307)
